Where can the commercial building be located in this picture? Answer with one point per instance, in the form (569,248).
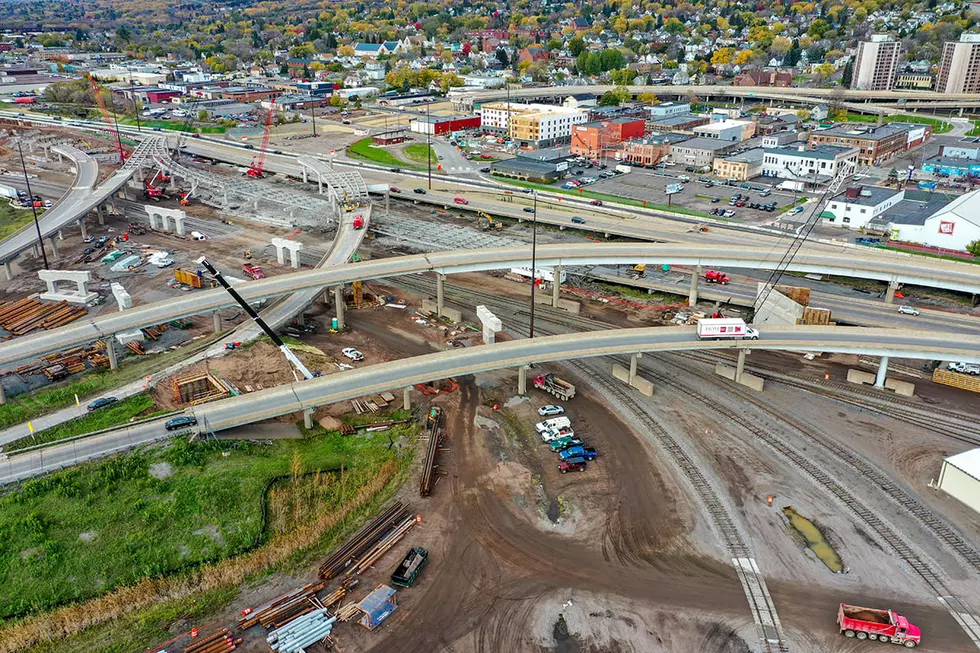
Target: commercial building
(856,207)
(700,152)
(779,139)
(959,66)
(741,167)
(668,109)
(876,64)
(955,168)
(876,145)
(959,477)
(727,130)
(526,169)
(683,123)
(915,81)
(967,148)
(593,139)
(436,125)
(648,151)
(405,99)
(815,165)
(531,125)
(940,223)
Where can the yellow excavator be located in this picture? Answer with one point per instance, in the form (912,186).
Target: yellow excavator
(487,222)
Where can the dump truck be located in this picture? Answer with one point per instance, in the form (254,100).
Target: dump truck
(714,276)
(881,625)
(728,328)
(193,278)
(253,271)
(554,386)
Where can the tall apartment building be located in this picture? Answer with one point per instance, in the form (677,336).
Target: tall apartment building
(532,125)
(959,67)
(876,64)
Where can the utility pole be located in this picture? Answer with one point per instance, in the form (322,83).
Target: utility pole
(37,225)
(313,114)
(136,108)
(428,142)
(534,257)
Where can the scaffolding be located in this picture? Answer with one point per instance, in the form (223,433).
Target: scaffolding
(199,388)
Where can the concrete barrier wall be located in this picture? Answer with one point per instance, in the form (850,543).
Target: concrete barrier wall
(725,371)
(621,373)
(644,386)
(860,377)
(778,309)
(903,388)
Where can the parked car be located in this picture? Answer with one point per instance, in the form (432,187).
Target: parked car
(715,200)
(766,193)
(550,410)
(564,442)
(353,354)
(729,214)
(557,433)
(965,368)
(568,466)
(180,422)
(908,310)
(101,403)
(684,178)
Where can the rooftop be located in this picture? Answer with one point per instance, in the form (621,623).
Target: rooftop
(959,162)
(711,144)
(680,119)
(871,133)
(869,196)
(968,462)
(722,125)
(913,211)
(751,156)
(520,163)
(658,138)
(828,152)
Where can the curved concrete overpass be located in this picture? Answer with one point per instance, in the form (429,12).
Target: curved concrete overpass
(305,395)
(912,270)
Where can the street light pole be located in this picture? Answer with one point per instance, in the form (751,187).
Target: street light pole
(313,114)
(534,258)
(136,108)
(428,143)
(37,225)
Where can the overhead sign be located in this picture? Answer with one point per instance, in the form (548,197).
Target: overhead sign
(946,228)
(673,188)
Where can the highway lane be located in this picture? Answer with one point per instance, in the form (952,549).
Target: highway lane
(915,270)
(339,386)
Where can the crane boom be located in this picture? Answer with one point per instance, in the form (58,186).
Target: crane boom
(109,121)
(286,351)
(258,164)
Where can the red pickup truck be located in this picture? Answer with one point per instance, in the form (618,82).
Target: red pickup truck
(881,625)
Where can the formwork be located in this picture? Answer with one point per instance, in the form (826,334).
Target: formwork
(957,380)
(199,388)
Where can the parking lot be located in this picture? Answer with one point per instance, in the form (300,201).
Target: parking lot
(699,192)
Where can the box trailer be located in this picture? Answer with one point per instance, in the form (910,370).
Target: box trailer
(540,273)
(725,328)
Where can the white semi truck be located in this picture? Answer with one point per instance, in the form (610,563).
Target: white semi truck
(726,328)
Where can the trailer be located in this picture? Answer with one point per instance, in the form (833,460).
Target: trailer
(881,625)
(726,328)
(192,278)
(543,274)
(554,386)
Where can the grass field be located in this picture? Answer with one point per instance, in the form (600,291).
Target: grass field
(118,413)
(13,220)
(364,149)
(153,513)
(419,152)
(175,126)
(939,126)
(975,131)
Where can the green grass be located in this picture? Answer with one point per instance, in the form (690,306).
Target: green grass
(23,407)
(634,292)
(173,125)
(939,126)
(13,220)
(212,506)
(593,195)
(419,152)
(972,261)
(975,131)
(364,149)
(114,415)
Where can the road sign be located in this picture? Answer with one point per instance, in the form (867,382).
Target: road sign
(673,188)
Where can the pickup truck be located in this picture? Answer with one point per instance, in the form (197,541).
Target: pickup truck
(588,453)
(557,433)
(564,442)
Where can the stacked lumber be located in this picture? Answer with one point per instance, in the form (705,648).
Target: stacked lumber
(154,333)
(216,643)
(348,612)
(136,347)
(428,465)
(364,540)
(382,547)
(283,608)
(25,315)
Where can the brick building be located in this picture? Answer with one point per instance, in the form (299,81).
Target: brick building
(595,138)
(875,144)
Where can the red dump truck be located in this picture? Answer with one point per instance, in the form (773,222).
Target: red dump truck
(880,625)
(714,276)
(253,271)
(554,386)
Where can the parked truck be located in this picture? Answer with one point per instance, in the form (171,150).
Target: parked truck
(881,625)
(192,278)
(578,451)
(726,328)
(253,271)
(623,169)
(714,276)
(8,191)
(553,385)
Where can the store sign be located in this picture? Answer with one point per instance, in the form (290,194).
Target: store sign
(946,228)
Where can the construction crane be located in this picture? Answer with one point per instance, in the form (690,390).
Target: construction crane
(110,121)
(286,351)
(257,169)
(845,172)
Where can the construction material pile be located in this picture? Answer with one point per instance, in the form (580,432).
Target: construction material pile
(433,422)
(281,609)
(301,632)
(216,643)
(71,361)
(365,541)
(25,315)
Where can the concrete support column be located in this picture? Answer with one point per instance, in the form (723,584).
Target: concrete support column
(81,225)
(890,293)
(692,299)
(308,418)
(407,398)
(522,380)
(882,372)
(3,394)
(305,180)
(740,366)
(100,211)
(61,234)
(556,286)
(54,247)
(633,363)
(216,316)
(326,296)
(338,300)
(387,204)
(440,293)
(8,271)
(110,350)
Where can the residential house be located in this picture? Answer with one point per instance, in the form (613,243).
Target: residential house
(535,54)
(766,77)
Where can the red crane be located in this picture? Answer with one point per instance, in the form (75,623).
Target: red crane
(109,121)
(257,169)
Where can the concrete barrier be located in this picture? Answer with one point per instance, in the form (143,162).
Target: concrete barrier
(621,373)
(725,370)
(750,381)
(430,306)
(860,377)
(644,386)
(903,388)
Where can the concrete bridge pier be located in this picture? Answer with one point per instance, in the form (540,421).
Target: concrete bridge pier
(692,299)
(387,203)
(338,300)
(522,380)
(308,418)
(81,226)
(8,270)
(407,397)
(3,394)
(61,234)
(110,350)
(54,247)
(890,293)
(100,212)
(740,365)
(216,317)
(882,372)
(634,359)
(440,293)
(556,286)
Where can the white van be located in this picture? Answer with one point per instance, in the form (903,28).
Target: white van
(553,423)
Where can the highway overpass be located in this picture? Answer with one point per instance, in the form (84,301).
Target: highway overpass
(339,386)
(933,273)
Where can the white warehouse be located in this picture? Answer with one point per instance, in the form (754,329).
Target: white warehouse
(954,226)
(959,477)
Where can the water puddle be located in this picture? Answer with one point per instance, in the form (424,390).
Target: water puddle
(815,540)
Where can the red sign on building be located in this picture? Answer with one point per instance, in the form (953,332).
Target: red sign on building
(946,228)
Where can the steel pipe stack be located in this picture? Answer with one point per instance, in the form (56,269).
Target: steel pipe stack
(217,643)
(301,632)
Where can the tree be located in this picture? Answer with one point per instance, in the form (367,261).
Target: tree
(623,76)
(202,116)
(744,57)
(502,57)
(576,46)
(722,56)
(450,80)
(346,51)
(818,28)
(845,79)
(824,71)
(893,176)
(974,248)
(615,97)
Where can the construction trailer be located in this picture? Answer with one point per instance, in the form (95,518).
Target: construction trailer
(959,477)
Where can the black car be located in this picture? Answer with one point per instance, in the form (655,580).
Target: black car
(180,422)
(484,169)
(528,209)
(101,403)
(396,170)
(419,191)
